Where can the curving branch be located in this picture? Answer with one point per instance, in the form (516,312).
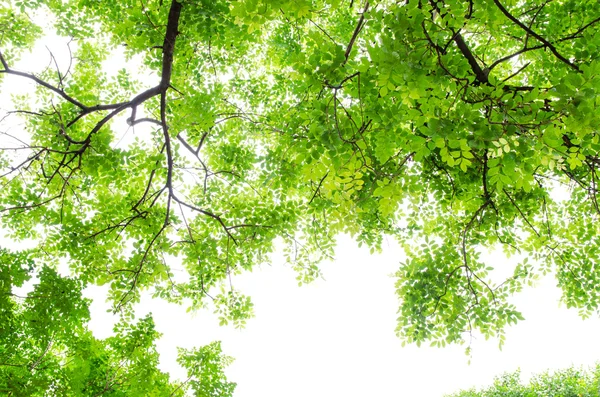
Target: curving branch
(318,188)
(521,213)
(530,32)
(207,213)
(164,84)
(359,26)
(7,70)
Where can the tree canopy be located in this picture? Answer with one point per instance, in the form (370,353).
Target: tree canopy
(46,348)
(231,128)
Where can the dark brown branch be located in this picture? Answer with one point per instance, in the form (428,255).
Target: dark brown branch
(60,76)
(318,188)
(122,224)
(169,44)
(537,13)
(144,120)
(31,206)
(341,84)
(521,213)
(190,149)
(244,225)
(324,32)
(486,193)
(439,52)
(181,385)
(207,213)
(580,30)
(359,26)
(41,82)
(201,142)
(525,49)
(468,227)
(148,185)
(466,266)
(516,73)
(509,57)
(446,282)
(165,129)
(138,271)
(196,154)
(546,43)
(4,62)
(480,74)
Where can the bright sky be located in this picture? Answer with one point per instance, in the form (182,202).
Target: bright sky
(335,337)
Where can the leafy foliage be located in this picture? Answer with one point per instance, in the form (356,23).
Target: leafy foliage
(45,346)
(565,383)
(447,124)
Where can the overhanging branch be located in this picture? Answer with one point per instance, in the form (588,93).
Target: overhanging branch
(530,32)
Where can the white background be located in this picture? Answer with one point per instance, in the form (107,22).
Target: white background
(335,337)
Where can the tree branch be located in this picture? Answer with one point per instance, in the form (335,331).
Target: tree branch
(534,34)
(359,26)
(480,74)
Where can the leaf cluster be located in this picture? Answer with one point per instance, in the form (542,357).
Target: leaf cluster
(568,382)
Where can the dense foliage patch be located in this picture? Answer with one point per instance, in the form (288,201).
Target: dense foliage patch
(571,382)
